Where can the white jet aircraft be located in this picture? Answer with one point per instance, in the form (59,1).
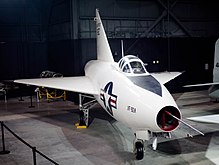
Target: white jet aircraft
(126,91)
(213,90)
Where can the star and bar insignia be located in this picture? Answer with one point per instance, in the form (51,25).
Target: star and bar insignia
(109,99)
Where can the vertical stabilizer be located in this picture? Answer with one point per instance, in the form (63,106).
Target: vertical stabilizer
(103,49)
(216,62)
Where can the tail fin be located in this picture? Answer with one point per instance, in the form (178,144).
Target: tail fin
(216,62)
(103,49)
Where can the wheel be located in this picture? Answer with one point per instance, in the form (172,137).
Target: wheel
(139,150)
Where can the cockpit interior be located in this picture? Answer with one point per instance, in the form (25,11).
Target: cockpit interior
(132,64)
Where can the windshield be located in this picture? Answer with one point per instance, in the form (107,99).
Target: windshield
(137,67)
(126,69)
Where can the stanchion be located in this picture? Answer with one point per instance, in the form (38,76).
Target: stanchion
(34,150)
(21,99)
(31,102)
(5,96)
(3,152)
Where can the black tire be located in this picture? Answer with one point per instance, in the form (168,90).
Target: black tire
(139,150)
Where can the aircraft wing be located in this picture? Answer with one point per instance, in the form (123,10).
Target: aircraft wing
(205,84)
(164,77)
(206,118)
(81,84)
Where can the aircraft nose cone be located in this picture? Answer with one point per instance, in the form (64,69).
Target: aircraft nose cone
(165,119)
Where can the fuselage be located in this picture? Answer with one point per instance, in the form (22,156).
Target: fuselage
(130,103)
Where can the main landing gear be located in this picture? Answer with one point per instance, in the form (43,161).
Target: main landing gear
(85,103)
(141,137)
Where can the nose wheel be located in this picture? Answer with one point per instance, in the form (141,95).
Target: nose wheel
(139,147)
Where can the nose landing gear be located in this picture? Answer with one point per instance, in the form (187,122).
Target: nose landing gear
(139,150)
(140,138)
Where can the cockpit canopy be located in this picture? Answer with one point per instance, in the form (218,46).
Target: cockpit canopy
(132,64)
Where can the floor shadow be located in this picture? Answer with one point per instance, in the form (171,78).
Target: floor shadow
(186,145)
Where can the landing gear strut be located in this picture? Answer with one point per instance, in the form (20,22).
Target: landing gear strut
(85,103)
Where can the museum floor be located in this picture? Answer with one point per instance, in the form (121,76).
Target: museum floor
(50,127)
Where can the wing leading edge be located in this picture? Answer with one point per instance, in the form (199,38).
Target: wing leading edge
(205,84)
(206,118)
(164,77)
(81,84)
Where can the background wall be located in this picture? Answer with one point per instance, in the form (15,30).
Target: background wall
(59,35)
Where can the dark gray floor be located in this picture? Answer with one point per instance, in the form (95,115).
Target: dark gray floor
(50,127)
